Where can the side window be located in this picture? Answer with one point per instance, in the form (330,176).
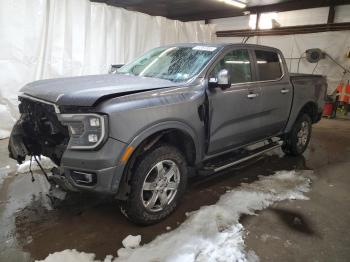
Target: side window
(268,64)
(237,62)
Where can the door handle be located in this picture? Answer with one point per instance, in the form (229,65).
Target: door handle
(284,91)
(252,95)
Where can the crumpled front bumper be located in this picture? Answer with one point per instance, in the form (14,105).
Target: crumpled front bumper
(104,164)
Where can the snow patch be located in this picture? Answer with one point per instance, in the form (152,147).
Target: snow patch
(213,233)
(72,255)
(132,241)
(45,162)
(4,172)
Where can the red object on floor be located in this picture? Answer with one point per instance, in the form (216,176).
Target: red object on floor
(328,109)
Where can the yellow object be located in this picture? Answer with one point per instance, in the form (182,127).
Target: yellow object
(127,154)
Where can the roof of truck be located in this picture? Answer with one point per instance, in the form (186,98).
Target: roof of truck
(222,45)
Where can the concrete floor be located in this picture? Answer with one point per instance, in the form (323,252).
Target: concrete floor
(313,230)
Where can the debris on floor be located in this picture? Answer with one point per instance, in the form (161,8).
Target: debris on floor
(213,233)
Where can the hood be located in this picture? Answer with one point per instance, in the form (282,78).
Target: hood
(87,90)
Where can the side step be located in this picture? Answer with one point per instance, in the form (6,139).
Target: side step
(233,159)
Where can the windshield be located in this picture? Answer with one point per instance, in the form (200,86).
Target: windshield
(176,64)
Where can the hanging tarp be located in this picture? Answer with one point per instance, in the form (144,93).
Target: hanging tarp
(42,39)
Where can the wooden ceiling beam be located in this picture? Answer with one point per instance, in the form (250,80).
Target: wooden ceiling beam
(288,30)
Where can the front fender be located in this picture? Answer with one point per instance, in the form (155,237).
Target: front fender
(178,125)
(142,136)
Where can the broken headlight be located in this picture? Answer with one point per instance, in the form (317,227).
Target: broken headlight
(87,131)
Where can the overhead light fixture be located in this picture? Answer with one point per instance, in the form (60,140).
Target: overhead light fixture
(235,3)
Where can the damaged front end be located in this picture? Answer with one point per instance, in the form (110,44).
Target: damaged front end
(75,139)
(38,132)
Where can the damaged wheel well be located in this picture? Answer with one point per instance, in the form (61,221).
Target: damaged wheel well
(174,137)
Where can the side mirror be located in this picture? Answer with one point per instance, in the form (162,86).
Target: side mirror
(113,69)
(223,80)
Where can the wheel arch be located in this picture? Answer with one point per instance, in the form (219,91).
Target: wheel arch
(310,107)
(169,132)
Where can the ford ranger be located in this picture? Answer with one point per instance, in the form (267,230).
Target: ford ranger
(138,134)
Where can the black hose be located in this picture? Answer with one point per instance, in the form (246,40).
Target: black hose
(42,169)
(301,56)
(30,169)
(315,67)
(337,63)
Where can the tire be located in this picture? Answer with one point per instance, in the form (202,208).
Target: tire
(298,139)
(158,182)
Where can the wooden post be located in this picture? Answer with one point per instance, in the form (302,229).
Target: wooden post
(331,14)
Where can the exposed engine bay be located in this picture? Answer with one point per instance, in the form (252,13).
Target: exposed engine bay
(38,132)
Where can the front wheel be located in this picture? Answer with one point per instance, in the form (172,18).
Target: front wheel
(297,141)
(157,184)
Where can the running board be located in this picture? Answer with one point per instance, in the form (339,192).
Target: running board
(237,159)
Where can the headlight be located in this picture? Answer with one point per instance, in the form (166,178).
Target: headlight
(87,131)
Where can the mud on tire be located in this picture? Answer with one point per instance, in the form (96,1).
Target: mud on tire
(298,139)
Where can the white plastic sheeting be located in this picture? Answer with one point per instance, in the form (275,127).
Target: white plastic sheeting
(54,38)
(309,16)
(342,14)
(336,44)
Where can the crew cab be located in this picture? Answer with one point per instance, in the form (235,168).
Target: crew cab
(176,111)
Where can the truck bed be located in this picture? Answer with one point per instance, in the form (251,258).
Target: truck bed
(307,88)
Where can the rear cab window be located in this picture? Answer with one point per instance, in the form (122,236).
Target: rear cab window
(268,65)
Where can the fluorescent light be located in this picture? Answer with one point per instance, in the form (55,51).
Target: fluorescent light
(235,3)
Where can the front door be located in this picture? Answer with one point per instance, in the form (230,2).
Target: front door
(234,111)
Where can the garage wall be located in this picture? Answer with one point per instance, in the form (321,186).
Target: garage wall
(231,23)
(310,16)
(342,14)
(55,38)
(336,44)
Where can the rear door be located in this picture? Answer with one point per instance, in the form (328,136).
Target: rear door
(234,112)
(276,91)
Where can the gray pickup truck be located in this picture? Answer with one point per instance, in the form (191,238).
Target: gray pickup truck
(176,111)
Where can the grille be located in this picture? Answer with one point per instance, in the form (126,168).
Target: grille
(31,106)
(43,132)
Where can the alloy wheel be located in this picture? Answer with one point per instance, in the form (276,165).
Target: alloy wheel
(160,185)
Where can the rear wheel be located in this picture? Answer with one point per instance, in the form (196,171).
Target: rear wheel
(299,138)
(158,182)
